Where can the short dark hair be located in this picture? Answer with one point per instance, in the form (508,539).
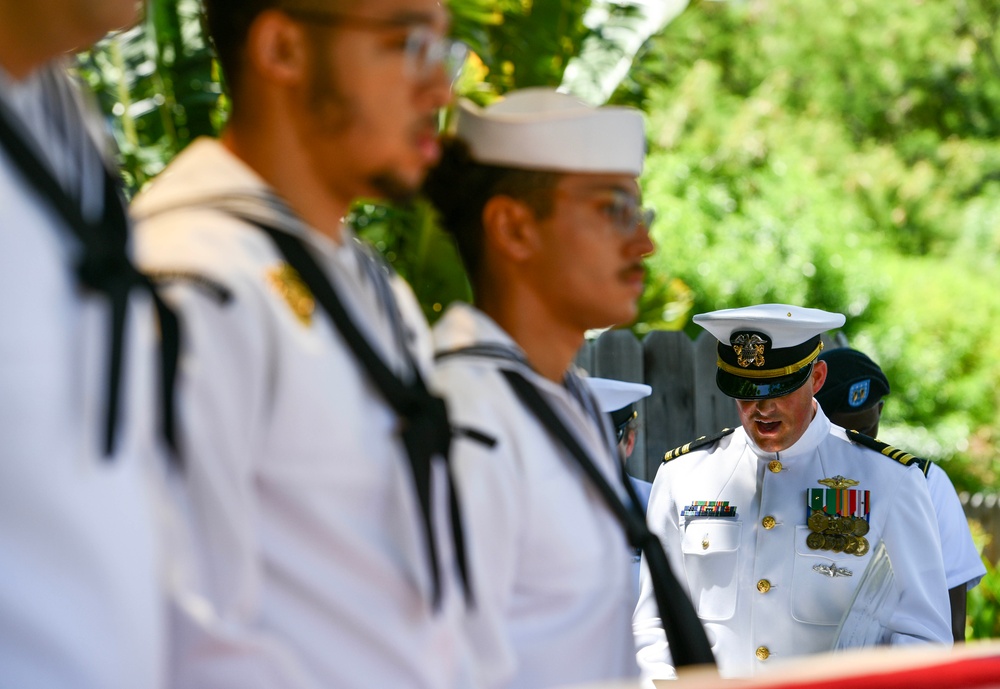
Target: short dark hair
(459,187)
(228,23)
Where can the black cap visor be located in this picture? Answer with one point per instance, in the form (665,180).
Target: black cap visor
(760,388)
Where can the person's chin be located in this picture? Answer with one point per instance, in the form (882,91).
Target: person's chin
(396,186)
(768,443)
(621,316)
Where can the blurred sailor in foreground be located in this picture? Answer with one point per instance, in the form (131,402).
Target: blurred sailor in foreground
(80,559)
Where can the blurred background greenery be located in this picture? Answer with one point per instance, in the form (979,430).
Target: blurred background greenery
(842,155)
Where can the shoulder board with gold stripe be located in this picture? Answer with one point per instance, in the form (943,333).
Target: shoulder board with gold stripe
(695,444)
(900,456)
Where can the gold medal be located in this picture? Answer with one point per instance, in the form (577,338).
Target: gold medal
(815,541)
(861,527)
(818,522)
(838,544)
(863,546)
(852,545)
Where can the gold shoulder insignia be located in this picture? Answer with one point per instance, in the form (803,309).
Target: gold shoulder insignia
(286,282)
(900,456)
(695,444)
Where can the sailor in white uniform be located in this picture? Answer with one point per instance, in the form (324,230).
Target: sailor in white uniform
(81,555)
(316,492)
(852,398)
(773,525)
(617,398)
(552,233)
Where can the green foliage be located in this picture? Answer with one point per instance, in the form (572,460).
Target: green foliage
(983,603)
(843,156)
(159,86)
(983,607)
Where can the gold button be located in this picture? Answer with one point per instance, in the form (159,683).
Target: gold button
(768,522)
(774,465)
(763,586)
(762,653)
(704,543)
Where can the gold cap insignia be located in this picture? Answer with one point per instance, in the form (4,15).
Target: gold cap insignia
(749,348)
(286,282)
(838,482)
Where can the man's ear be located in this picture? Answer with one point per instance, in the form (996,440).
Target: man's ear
(277,48)
(510,228)
(818,375)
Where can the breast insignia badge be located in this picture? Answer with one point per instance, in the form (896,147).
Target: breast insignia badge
(838,517)
(832,570)
(286,282)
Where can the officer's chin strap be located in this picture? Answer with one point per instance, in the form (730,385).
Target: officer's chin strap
(685,634)
(105,267)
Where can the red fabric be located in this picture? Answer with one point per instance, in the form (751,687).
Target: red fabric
(971,673)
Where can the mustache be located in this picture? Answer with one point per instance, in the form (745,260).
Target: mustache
(427,124)
(636,268)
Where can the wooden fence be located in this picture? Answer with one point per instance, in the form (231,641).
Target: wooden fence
(686,404)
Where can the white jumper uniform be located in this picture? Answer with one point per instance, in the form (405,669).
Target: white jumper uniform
(761,592)
(311,567)
(962,562)
(80,585)
(550,562)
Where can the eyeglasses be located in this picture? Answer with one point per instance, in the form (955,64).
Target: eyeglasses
(623,210)
(424,50)
(628,216)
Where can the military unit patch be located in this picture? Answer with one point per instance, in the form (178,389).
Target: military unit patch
(858,393)
(695,444)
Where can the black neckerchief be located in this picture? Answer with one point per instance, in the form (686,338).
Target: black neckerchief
(687,639)
(685,634)
(104,267)
(426,432)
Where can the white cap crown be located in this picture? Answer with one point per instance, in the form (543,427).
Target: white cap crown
(542,129)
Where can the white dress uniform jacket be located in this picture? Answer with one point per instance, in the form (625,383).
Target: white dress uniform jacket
(311,567)
(962,563)
(80,585)
(755,588)
(550,562)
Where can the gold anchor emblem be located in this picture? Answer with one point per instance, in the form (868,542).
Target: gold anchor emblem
(838,482)
(749,349)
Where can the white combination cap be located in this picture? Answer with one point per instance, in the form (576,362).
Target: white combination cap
(542,129)
(766,350)
(613,395)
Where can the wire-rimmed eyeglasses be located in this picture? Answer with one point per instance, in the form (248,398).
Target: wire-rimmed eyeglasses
(425,49)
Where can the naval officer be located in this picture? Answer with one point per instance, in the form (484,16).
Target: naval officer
(772,525)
